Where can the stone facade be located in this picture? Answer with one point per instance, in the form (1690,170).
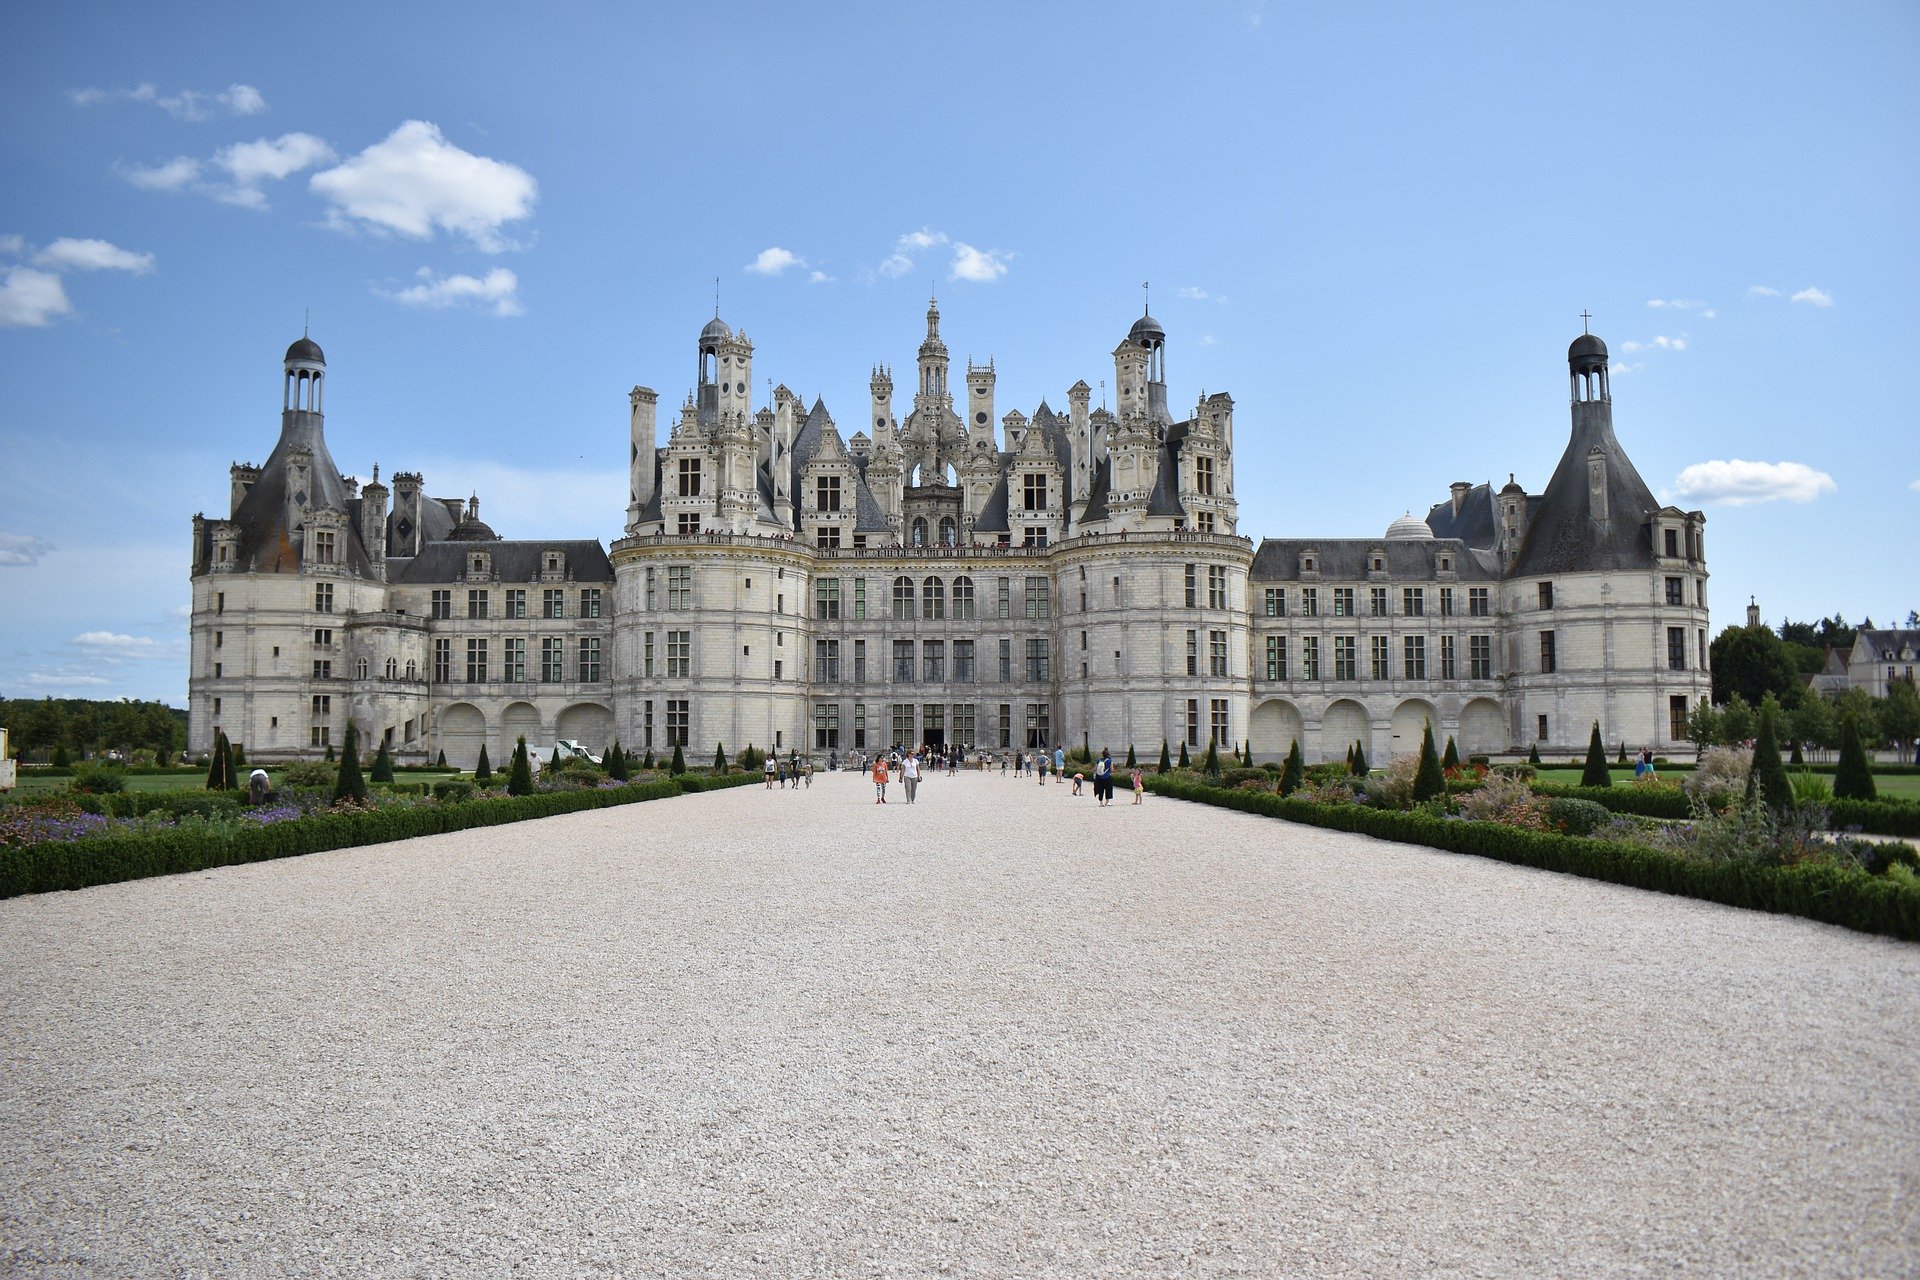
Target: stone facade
(1058,578)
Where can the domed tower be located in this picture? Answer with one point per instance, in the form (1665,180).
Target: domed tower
(306,372)
(933,360)
(712,337)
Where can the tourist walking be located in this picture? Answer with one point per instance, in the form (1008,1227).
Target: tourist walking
(879,779)
(1060,763)
(769,771)
(910,776)
(1103,779)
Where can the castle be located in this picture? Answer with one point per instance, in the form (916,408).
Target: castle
(1068,577)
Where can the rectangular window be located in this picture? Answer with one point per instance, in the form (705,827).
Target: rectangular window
(442,660)
(552,661)
(1446,657)
(1413,601)
(1217,653)
(1377,601)
(1276,657)
(1343,602)
(1276,598)
(677,722)
(826,495)
(443,604)
(1546,595)
(826,598)
(650,595)
(513,658)
(903,662)
(1035,536)
(679,655)
(476,661)
(933,654)
(689,477)
(933,722)
(1006,661)
(1541,729)
(1220,733)
(1193,722)
(553,603)
(1677,717)
(517,600)
(323,546)
(1415,648)
(1039,663)
(1480,657)
(1203,476)
(646,658)
(323,637)
(1547,663)
(826,723)
(963,724)
(826,661)
(1310,602)
(1039,724)
(688,523)
(859,599)
(1310,657)
(1478,605)
(1033,492)
(1676,648)
(1703,648)
(1676,591)
(859,726)
(1039,605)
(477,602)
(1446,602)
(322,705)
(1346,657)
(1193,586)
(859,661)
(590,602)
(1378,660)
(1216,586)
(590,659)
(963,661)
(679,586)
(320,736)
(1006,597)
(1193,653)
(827,537)
(1672,543)
(903,724)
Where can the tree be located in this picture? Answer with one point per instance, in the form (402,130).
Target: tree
(616,762)
(1703,724)
(1533,755)
(1766,776)
(1751,662)
(1596,774)
(719,758)
(1294,771)
(1360,766)
(679,765)
(1166,757)
(1349,757)
(483,772)
(1450,759)
(1212,762)
(520,771)
(1796,755)
(348,784)
(1852,778)
(383,764)
(439,763)
(648,762)
(61,759)
(219,768)
(1185,762)
(553,761)
(1813,722)
(1736,721)
(1246,753)
(1858,705)
(1900,714)
(1428,780)
(1133,761)
(330,755)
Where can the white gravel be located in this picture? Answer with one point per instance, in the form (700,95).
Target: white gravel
(1000,1032)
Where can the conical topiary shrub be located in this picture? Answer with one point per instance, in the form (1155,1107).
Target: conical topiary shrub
(520,772)
(1428,780)
(439,763)
(330,756)
(483,771)
(219,766)
(1186,761)
(1294,771)
(719,758)
(1133,761)
(1166,757)
(1450,758)
(1596,774)
(1212,762)
(1767,776)
(648,762)
(1852,777)
(1533,755)
(1360,766)
(679,765)
(1795,756)
(383,765)
(348,784)
(616,762)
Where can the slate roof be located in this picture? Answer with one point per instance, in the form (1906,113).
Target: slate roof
(1477,523)
(267,544)
(1345,560)
(1561,536)
(516,561)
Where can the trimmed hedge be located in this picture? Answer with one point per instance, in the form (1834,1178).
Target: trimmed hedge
(1870,817)
(694,782)
(79,864)
(1852,899)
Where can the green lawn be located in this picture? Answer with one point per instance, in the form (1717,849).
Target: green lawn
(1891,787)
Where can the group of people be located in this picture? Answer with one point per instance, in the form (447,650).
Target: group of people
(908,765)
(1643,764)
(792,769)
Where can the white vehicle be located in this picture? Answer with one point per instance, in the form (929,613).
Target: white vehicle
(576,750)
(541,757)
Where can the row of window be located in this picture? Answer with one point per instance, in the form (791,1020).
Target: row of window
(551,668)
(864,728)
(929,663)
(553,603)
(1346,658)
(1345,602)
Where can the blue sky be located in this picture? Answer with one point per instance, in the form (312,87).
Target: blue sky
(1375,226)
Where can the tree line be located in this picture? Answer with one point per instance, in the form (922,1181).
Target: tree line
(82,727)
(1760,670)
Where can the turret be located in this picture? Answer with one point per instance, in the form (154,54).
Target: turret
(1087,451)
(373,521)
(933,361)
(882,386)
(980,380)
(1511,507)
(641,461)
(407,537)
(305,375)
(245,476)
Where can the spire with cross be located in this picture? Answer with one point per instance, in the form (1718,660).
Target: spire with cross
(1585,317)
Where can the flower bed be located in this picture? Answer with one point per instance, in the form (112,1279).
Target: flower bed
(1818,890)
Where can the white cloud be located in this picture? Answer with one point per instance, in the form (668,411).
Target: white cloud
(115,640)
(31,299)
(908,248)
(60,680)
(1208,340)
(19,549)
(1813,296)
(819,277)
(1621,367)
(772,262)
(1661,343)
(1762,291)
(1736,483)
(1682,304)
(187,104)
(982,266)
(415,182)
(92,255)
(267,160)
(496,292)
(12,244)
(170,175)
(1915,486)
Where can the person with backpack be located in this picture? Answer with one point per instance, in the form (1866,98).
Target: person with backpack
(1103,779)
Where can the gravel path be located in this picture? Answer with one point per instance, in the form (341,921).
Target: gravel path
(753,1034)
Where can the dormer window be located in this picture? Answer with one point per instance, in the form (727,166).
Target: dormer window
(479,564)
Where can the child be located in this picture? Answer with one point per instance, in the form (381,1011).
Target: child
(1139,786)
(879,779)
(1078,778)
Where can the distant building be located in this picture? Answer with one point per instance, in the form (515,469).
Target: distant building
(948,579)
(1876,658)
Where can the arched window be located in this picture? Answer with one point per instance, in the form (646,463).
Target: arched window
(949,532)
(963,598)
(919,531)
(360,669)
(393,668)
(933,599)
(410,669)
(903,599)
